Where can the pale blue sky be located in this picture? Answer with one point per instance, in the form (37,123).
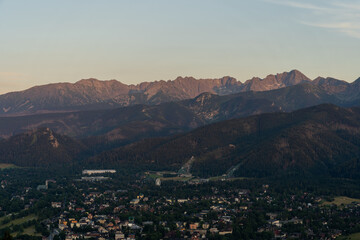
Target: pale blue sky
(45,41)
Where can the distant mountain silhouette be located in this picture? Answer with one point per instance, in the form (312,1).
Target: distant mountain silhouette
(91,94)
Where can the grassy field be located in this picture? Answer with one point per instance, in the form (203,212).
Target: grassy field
(19,221)
(342,200)
(7,165)
(355,236)
(2,219)
(154,176)
(28,231)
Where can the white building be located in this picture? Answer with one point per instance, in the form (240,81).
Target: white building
(100,171)
(158,182)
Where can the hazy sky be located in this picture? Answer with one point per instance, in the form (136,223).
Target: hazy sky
(44,41)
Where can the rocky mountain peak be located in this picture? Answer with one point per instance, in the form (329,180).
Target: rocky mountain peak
(295,77)
(279,80)
(93,94)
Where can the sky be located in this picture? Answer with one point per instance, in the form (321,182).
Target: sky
(45,41)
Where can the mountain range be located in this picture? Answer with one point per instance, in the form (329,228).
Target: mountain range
(93,94)
(262,127)
(139,121)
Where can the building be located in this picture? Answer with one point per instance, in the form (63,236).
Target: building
(119,236)
(100,171)
(158,182)
(135,201)
(56,204)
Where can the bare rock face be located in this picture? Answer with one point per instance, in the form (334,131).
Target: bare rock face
(96,94)
(331,85)
(277,81)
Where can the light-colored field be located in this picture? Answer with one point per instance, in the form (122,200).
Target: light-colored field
(6,165)
(28,231)
(19,221)
(355,236)
(342,201)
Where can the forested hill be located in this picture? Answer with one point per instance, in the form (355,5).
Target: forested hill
(320,140)
(40,148)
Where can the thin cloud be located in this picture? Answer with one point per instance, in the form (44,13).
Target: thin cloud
(298,5)
(353,6)
(343,17)
(355,34)
(340,26)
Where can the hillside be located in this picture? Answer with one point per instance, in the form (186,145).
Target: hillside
(40,148)
(321,140)
(122,124)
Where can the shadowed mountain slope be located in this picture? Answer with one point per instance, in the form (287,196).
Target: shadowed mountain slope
(132,123)
(323,140)
(40,148)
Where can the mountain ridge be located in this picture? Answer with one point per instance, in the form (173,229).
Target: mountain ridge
(191,113)
(91,94)
(321,140)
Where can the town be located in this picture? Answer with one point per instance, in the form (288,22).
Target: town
(103,205)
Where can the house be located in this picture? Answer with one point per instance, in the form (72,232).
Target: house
(225,232)
(275,222)
(62,226)
(41,187)
(272,215)
(135,201)
(193,226)
(205,226)
(56,204)
(119,236)
(158,182)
